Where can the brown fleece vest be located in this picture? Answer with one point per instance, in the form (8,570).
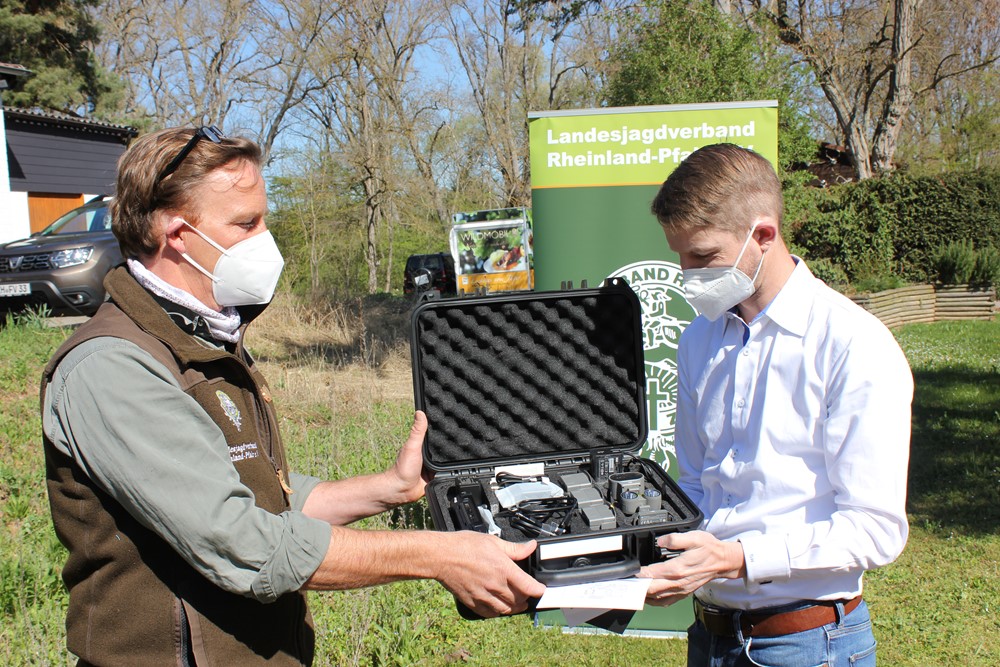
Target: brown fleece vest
(133,600)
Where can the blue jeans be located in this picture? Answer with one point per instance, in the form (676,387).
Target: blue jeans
(846,643)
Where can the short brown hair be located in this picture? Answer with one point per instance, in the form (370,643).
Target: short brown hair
(140,191)
(721,185)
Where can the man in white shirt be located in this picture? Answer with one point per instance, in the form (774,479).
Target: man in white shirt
(793,430)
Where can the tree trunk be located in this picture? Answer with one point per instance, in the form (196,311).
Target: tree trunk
(373,219)
(900,93)
(854,78)
(389,255)
(849,120)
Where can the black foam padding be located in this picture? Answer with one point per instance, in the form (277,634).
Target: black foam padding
(523,378)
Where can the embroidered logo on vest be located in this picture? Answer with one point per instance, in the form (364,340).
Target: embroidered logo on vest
(243,451)
(230,409)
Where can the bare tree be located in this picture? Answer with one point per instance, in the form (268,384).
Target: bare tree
(500,55)
(233,63)
(184,60)
(517,58)
(289,31)
(369,110)
(953,120)
(421,108)
(862,53)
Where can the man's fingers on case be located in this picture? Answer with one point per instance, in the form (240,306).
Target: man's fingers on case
(519,550)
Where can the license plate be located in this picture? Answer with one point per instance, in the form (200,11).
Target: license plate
(15,289)
(422,279)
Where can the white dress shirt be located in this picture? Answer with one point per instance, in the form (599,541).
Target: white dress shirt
(796,443)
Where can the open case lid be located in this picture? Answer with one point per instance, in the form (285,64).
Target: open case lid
(529,376)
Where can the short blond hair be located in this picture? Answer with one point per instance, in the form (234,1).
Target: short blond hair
(723,186)
(141,192)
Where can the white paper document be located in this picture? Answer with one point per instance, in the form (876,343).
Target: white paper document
(601,595)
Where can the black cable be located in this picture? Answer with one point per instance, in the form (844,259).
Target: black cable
(542,506)
(648,469)
(545,517)
(508,478)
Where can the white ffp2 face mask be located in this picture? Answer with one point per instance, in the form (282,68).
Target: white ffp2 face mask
(714,290)
(247,272)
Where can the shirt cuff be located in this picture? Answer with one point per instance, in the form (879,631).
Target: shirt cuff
(302,548)
(766,558)
(302,486)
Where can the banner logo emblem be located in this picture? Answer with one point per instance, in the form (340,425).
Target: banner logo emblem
(665,314)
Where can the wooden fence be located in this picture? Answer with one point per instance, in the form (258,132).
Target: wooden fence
(929,303)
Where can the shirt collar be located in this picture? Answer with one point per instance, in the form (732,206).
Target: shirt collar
(188,313)
(790,309)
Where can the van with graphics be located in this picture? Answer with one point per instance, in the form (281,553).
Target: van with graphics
(492,250)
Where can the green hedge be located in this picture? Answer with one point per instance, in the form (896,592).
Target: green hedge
(891,227)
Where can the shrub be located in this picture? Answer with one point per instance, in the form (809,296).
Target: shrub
(32,317)
(893,226)
(954,262)
(802,204)
(871,283)
(986,272)
(827,271)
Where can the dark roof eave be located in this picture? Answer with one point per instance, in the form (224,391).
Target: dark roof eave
(10,69)
(49,118)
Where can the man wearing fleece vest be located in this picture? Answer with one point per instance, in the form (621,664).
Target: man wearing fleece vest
(190,541)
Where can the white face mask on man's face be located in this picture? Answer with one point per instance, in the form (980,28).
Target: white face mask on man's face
(246,273)
(714,290)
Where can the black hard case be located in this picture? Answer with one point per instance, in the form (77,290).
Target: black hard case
(540,377)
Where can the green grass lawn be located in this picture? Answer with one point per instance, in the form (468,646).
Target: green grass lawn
(935,606)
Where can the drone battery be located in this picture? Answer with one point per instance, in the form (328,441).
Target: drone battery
(576,480)
(587,497)
(599,517)
(651,517)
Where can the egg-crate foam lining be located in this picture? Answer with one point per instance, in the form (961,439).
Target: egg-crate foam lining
(519,379)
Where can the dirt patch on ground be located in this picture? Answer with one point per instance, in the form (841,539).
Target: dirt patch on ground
(351,354)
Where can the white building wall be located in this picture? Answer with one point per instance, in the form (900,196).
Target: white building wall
(4,167)
(14,221)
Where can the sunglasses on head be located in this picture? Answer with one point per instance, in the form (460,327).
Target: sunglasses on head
(210,132)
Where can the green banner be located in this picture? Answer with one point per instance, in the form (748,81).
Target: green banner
(640,145)
(594,174)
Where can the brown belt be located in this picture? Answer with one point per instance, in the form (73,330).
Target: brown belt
(720,622)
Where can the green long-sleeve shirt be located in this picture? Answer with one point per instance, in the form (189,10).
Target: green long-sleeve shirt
(122,417)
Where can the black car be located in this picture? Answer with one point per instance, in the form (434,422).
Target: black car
(429,272)
(63,266)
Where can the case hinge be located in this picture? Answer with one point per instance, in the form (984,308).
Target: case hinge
(567,461)
(465,472)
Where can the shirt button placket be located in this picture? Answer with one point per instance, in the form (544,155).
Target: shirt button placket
(742,384)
